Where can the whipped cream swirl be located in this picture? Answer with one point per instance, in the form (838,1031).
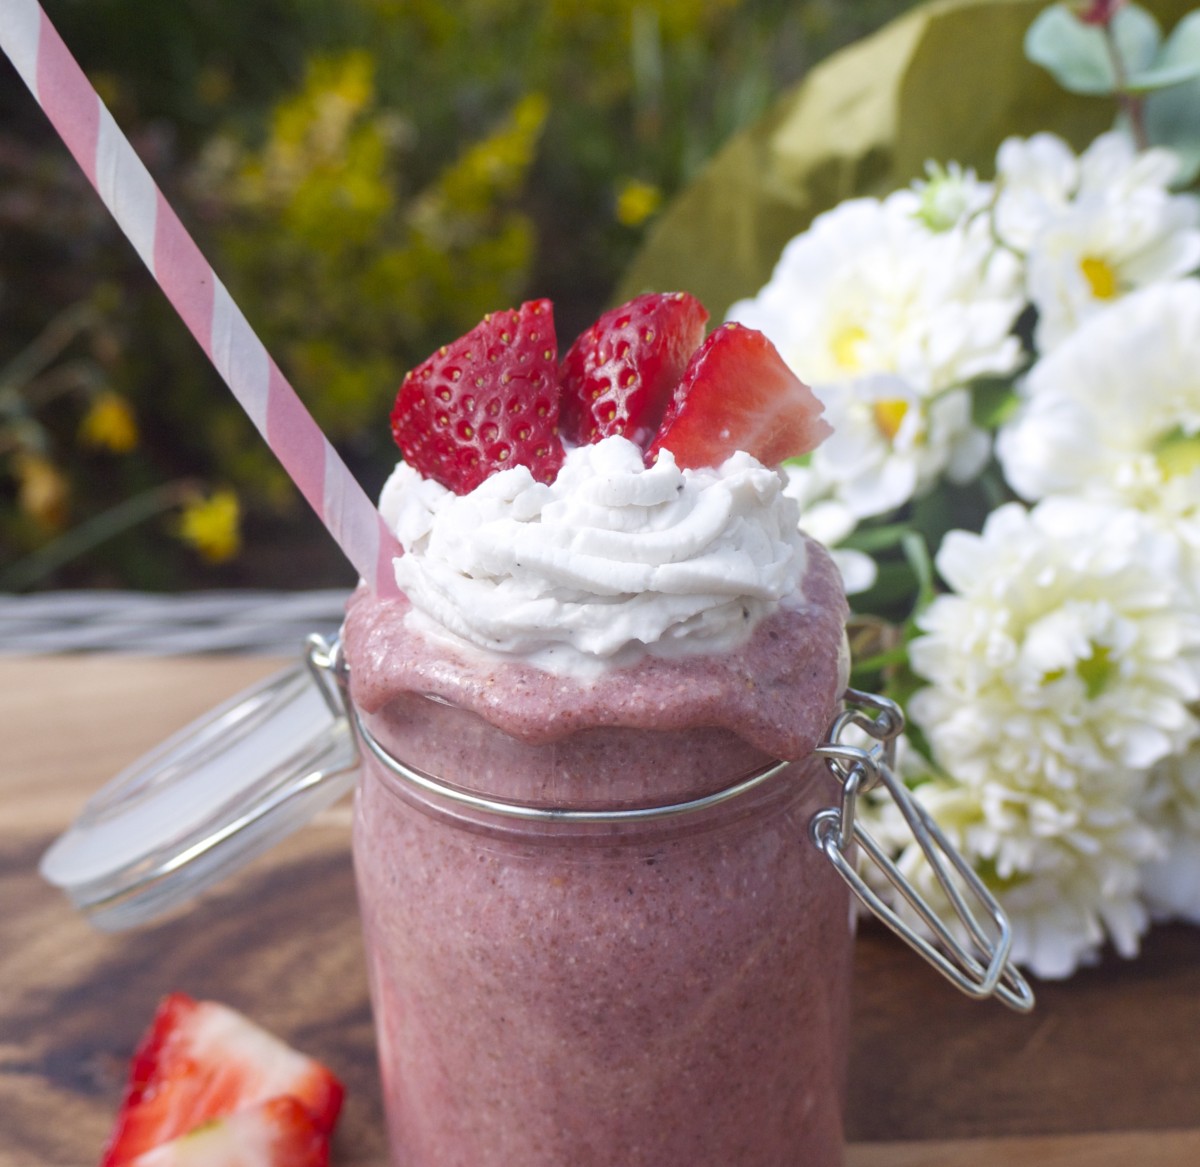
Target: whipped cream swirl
(609,561)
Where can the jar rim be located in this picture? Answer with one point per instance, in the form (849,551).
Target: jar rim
(447,793)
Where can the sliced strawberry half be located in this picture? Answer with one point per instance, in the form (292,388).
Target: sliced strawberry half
(737,393)
(279,1132)
(618,376)
(486,402)
(200,1060)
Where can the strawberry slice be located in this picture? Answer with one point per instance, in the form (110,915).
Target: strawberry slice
(200,1060)
(279,1132)
(618,376)
(486,402)
(738,394)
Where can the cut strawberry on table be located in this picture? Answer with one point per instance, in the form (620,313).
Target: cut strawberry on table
(486,402)
(737,393)
(279,1132)
(618,376)
(200,1061)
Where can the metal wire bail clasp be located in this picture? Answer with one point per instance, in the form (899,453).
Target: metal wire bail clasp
(981,967)
(327,668)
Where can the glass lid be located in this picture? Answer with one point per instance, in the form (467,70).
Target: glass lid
(208,799)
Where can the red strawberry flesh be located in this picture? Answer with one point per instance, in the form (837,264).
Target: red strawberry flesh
(279,1132)
(618,376)
(486,402)
(738,393)
(201,1060)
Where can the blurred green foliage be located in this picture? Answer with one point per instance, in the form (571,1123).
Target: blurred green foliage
(368,177)
(351,271)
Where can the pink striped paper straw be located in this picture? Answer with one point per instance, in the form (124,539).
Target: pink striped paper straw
(127,190)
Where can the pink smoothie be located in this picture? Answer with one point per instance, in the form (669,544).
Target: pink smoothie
(672,993)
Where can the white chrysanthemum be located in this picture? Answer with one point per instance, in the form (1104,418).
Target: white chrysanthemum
(1113,413)
(1171,884)
(1069,648)
(1097,253)
(889,444)
(870,288)
(1036,178)
(1092,229)
(1065,865)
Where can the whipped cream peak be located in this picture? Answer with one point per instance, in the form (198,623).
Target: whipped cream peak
(609,561)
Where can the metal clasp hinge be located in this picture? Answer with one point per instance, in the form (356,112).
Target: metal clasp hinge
(327,668)
(981,967)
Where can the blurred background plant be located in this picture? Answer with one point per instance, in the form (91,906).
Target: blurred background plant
(369,177)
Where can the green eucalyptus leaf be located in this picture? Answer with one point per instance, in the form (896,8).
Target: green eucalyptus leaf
(1183,45)
(1178,61)
(1077,55)
(1073,53)
(1172,119)
(1161,77)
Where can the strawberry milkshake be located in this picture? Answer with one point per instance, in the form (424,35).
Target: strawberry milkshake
(597,931)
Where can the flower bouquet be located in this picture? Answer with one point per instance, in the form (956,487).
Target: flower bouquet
(1012,369)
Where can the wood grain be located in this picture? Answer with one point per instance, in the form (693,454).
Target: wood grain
(1106,1071)
(1113,1048)
(1160,1149)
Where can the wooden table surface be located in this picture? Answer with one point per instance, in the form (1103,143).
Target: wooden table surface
(1106,1071)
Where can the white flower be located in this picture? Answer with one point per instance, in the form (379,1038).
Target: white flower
(869,288)
(889,444)
(1092,229)
(1171,883)
(1069,648)
(1065,866)
(1036,178)
(1113,413)
(950,195)
(1173,794)
(829,522)
(1081,889)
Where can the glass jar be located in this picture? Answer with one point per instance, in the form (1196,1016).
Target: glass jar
(590,986)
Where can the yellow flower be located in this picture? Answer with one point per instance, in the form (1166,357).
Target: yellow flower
(493,166)
(637,201)
(109,424)
(42,489)
(211,525)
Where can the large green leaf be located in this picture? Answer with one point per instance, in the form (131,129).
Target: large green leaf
(947,81)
